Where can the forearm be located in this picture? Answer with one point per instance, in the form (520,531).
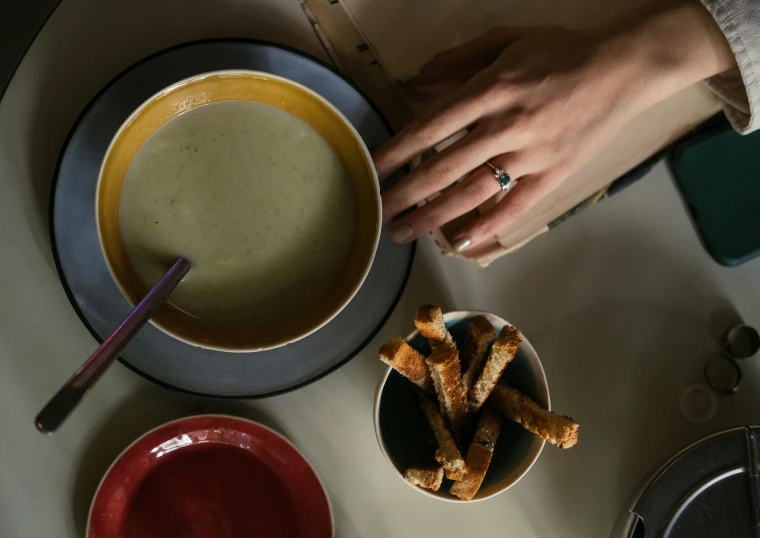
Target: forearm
(662,48)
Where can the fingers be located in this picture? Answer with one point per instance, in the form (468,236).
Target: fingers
(451,68)
(460,110)
(525,195)
(475,189)
(439,172)
(423,134)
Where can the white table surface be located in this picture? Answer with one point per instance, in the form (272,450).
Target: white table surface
(621,302)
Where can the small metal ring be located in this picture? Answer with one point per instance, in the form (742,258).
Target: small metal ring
(713,379)
(505,182)
(698,404)
(740,342)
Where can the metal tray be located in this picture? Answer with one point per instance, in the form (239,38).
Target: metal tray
(708,490)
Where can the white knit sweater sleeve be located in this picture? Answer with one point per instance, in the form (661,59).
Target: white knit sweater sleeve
(739,88)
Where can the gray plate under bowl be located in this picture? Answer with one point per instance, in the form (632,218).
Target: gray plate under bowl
(101,306)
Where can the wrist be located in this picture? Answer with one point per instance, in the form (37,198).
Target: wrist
(662,48)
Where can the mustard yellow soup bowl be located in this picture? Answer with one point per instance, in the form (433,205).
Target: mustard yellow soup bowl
(288,96)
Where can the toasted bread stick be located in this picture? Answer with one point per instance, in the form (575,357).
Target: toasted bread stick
(406,361)
(424,471)
(447,454)
(480,334)
(557,429)
(425,477)
(445,371)
(502,352)
(479,455)
(429,322)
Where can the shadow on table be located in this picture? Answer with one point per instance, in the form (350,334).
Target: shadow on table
(426,285)
(621,329)
(133,417)
(723,319)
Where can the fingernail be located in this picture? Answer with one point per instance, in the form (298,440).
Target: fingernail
(401,232)
(462,244)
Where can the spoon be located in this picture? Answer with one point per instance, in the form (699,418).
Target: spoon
(66,399)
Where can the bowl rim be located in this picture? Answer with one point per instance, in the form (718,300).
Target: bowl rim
(207,415)
(538,443)
(365,151)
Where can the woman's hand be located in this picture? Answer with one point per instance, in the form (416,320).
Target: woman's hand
(537,103)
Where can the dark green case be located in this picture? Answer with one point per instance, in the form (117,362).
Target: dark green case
(718,174)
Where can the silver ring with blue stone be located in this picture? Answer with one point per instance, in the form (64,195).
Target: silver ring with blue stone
(505,182)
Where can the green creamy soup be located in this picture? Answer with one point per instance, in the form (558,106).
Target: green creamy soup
(253,197)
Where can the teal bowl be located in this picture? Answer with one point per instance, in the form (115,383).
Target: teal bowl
(401,428)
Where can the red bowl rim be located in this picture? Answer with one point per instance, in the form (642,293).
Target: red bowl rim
(209,415)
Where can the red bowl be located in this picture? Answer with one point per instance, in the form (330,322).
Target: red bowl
(210,476)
